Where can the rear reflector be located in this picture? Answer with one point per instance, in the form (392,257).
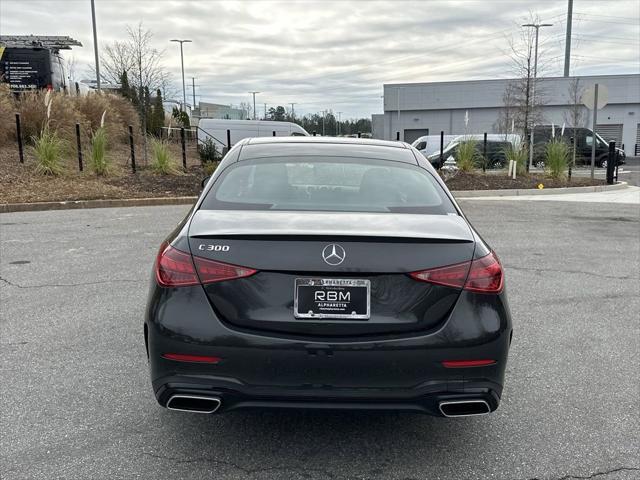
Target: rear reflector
(181,357)
(175,268)
(467,363)
(483,275)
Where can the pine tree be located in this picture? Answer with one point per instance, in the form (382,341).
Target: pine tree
(158,112)
(147,110)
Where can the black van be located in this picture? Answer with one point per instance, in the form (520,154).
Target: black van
(32,69)
(584,140)
(496,154)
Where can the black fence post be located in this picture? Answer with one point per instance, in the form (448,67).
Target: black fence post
(228,140)
(441,149)
(184,149)
(571,140)
(359,134)
(77,89)
(611,162)
(484,153)
(19,136)
(397,136)
(79,146)
(313,133)
(274,133)
(133,149)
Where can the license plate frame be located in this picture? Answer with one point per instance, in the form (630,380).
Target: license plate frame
(344,285)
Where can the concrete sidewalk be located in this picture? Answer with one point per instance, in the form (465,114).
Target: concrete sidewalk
(630,194)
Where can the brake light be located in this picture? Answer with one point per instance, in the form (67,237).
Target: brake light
(211,271)
(483,275)
(175,268)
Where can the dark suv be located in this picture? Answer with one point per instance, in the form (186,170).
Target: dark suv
(496,157)
(584,142)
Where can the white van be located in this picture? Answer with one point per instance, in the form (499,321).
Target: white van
(216,130)
(429,144)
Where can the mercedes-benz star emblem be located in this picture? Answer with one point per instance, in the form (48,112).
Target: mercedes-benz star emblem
(333,254)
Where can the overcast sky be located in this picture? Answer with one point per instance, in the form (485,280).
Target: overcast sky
(337,55)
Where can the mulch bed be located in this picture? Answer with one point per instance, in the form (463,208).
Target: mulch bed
(20,184)
(497,181)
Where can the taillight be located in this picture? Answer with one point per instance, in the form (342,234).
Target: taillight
(175,268)
(483,275)
(211,271)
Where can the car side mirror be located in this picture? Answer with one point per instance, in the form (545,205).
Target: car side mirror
(204,181)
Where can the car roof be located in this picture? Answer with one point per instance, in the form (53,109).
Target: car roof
(262,147)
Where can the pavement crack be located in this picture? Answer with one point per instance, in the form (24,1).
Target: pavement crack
(46,285)
(580,272)
(594,475)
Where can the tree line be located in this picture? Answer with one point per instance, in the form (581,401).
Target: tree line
(322,124)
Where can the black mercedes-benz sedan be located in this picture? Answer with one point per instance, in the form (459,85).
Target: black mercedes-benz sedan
(327,273)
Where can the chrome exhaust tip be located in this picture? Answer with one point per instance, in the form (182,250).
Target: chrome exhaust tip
(463,408)
(194,403)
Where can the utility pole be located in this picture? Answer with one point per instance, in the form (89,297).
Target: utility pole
(293,113)
(339,120)
(184,86)
(533,87)
(265,112)
(193,84)
(567,42)
(254,103)
(398,90)
(95,43)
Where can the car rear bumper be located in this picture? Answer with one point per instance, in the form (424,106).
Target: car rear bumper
(266,370)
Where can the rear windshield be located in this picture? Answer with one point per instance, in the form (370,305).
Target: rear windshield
(335,184)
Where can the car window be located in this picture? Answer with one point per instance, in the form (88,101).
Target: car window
(421,145)
(335,184)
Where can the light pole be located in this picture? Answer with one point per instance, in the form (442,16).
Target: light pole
(184,87)
(254,103)
(293,113)
(533,88)
(398,90)
(95,43)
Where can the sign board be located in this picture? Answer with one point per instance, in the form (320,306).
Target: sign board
(590,93)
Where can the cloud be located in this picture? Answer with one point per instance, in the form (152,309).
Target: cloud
(336,55)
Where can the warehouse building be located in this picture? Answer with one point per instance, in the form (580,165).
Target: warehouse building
(417,109)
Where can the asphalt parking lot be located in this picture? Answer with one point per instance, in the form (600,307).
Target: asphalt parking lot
(77,402)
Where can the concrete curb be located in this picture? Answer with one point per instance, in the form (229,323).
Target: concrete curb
(72,205)
(150,202)
(516,192)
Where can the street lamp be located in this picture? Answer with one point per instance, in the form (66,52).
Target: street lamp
(254,103)
(95,43)
(533,88)
(184,87)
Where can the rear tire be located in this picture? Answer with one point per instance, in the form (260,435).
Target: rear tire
(603,163)
(539,164)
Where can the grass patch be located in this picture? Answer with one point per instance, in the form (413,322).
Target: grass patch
(48,149)
(556,158)
(99,159)
(162,161)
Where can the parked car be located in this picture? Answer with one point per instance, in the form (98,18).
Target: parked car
(317,273)
(584,140)
(216,130)
(32,69)
(496,153)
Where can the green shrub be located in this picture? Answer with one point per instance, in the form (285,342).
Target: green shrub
(556,158)
(520,154)
(48,149)
(162,162)
(99,161)
(466,155)
(208,151)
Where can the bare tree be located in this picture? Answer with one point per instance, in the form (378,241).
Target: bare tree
(576,114)
(136,57)
(525,94)
(246,109)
